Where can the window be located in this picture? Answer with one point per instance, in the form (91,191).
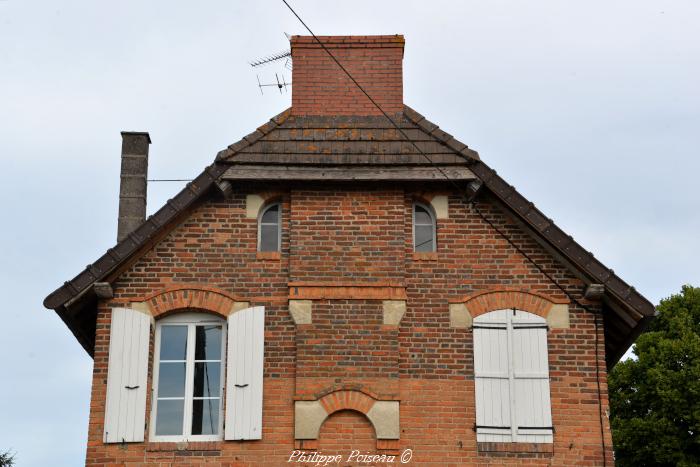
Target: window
(188,378)
(423,229)
(511,376)
(269,231)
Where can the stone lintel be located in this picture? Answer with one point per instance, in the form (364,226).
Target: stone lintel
(308,418)
(460,317)
(301,311)
(238,306)
(384,415)
(558,316)
(440,206)
(394,311)
(253,203)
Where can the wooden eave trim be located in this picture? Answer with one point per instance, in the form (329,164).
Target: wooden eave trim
(346,173)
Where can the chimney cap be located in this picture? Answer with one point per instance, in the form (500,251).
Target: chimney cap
(395,40)
(136,133)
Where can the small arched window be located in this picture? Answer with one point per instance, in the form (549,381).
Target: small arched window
(423,229)
(269,231)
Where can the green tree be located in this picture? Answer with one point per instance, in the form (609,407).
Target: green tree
(7,459)
(655,398)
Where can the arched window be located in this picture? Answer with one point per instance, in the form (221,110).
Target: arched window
(188,378)
(423,229)
(269,231)
(511,375)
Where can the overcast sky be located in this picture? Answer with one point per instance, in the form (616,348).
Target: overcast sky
(591,109)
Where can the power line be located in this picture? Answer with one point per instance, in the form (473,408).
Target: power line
(483,217)
(170,180)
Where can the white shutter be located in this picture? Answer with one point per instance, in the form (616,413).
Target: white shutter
(531,378)
(127,373)
(491,377)
(511,376)
(244,374)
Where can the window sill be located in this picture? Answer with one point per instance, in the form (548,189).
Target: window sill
(425,256)
(170,446)
(268,255)
(544,449)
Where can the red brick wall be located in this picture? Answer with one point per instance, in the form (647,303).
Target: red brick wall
(354,235)
(423,363)
(320,87)
(346,431)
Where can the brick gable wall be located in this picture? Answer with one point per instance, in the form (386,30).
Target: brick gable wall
(422,361)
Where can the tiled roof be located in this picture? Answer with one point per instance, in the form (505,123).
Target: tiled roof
(347,140)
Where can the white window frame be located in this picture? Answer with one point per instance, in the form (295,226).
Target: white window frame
(279,225)
(191,319)
(433,225)
(521,320)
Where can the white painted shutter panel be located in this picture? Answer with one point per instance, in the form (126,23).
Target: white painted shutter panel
(244,374)
(531,378)
(127,373)
(491,377)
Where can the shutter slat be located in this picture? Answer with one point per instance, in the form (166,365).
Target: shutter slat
(125,409)
(246,346)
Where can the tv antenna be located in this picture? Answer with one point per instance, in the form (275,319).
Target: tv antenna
(279,85)
(284,55)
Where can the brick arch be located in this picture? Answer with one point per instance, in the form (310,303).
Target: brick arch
(347,400)
(525,300)
(383,415)
(177,298)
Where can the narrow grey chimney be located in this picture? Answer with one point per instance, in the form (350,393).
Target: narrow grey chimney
(132,188)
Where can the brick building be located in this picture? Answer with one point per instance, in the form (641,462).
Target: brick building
(323,287)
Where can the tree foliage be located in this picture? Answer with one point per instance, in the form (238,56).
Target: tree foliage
(7,459)
(655,398)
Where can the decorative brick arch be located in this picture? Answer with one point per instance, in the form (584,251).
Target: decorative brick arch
(347,400)
(309,416)
(180,297)
(525,300)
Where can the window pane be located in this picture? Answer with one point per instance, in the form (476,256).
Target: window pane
(171,380)
(169,417)
(205,417)
(422,216)
(424,238)
(207,343)
(173,342)
(206,379)
(268,237)
(271,215)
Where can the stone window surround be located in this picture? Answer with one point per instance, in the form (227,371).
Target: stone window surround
(464,310)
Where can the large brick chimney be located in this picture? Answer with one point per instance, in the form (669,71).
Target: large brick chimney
(320,87)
